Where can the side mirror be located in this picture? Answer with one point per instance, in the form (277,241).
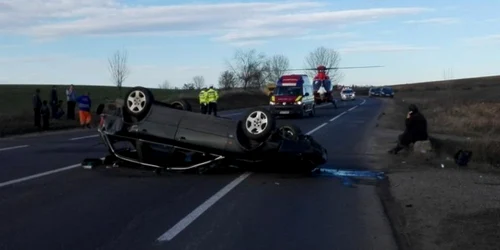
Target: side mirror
(306,94)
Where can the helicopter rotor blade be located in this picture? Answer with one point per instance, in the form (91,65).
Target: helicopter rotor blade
(358,67)
(301,69)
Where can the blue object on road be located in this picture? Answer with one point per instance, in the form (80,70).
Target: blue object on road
(347,175)
(351,173)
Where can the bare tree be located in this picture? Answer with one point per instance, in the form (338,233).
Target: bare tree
(164,85)
(276,66)
(118,68)
(198,82)
(188,86)
(247,67)
(328,58)
(227,80)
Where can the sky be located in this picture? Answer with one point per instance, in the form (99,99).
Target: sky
(70,41)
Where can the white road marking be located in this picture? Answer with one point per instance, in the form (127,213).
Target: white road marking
(31,177)
(15,147)
(186,221)
(352,108)
(3,184)
(197,212)
(364,100)
(339,115)
(83,137)
(316,128)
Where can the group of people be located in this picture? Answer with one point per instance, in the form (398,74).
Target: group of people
(208,100)
(45,110)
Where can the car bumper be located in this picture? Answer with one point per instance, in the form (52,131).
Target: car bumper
(286,109)
(347,98)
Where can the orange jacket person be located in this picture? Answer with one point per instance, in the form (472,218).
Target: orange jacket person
(84,105)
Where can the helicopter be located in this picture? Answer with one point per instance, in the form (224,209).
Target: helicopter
(322,84)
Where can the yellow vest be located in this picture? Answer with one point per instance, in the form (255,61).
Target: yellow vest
(203,97)
(212,95)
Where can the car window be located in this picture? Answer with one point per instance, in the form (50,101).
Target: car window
(288,90)
(347,91)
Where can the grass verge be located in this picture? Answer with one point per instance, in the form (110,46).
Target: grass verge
(431,202)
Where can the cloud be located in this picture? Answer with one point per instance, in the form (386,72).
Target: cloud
(438,20)
(228,22)
(483,40)
(326,36)
(377,46)
(9,46)
(31,59)
(492,20)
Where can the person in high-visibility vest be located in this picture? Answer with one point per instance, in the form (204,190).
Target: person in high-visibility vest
(213,96)
(84,106)
(203,100)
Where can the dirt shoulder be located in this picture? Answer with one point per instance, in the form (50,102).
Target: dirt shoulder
(431,202)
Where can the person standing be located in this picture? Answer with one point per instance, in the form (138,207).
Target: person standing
(45,112)
(71,102)
(203,97)
(212,97)
(84,106)
(54,100)
(37,105)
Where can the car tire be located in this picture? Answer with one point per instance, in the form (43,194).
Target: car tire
(258,124)
(138,101)
(290,131)
(181,104)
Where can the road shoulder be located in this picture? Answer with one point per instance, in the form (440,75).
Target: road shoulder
(430,202)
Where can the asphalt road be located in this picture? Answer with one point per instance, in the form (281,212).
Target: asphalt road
(48,202)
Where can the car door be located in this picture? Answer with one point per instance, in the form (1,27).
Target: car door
(161,123)
(204,132)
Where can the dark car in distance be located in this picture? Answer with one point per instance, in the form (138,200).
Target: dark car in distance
(381,92)
(168,136)
(387,92)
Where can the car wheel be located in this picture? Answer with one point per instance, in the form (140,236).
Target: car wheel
(138,102)
(181,104)
(258,124)
(289,131)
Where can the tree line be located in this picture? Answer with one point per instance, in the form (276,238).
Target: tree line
(246,69)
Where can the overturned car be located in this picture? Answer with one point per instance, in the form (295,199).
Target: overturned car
(168,136)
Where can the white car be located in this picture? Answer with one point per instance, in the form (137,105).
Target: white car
(347,95)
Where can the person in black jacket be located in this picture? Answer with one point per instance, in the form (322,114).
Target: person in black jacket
(416,130)
(54,101)
(37,105)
